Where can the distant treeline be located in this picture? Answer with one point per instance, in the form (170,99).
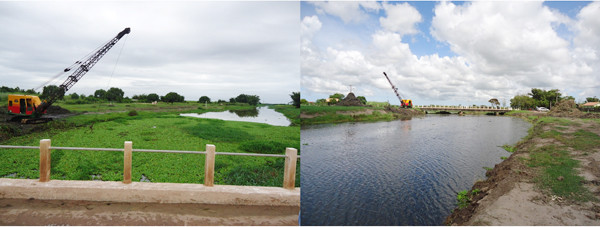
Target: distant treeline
(542,98)
(5,89)
(115,94)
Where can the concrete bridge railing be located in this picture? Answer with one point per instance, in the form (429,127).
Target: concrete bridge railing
(136,192)
(464,108)
(289,179)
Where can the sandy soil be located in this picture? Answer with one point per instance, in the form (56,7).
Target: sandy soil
(59,212)
(509,196)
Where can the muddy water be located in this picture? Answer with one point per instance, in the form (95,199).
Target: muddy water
(399,172)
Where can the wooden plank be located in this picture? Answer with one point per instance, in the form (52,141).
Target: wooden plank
(44,160)
(289,172)
(127,162)
(209,165)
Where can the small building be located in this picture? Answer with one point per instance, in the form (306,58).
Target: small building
(328,100)
(591,105)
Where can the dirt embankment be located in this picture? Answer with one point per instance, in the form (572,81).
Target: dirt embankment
(9,129)
(568,108)
(398,112)
(513,194)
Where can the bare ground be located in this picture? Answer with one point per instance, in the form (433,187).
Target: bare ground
(59,212)
(509,196)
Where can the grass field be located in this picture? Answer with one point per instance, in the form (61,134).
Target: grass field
(338,114)
(159,128)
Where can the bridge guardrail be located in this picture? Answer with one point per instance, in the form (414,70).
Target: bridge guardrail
(289,176)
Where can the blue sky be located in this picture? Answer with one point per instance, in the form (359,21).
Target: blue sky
(457,53)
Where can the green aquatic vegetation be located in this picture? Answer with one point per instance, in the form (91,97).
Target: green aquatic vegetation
(218,130)
(509,148)
(151,130)
(266,147)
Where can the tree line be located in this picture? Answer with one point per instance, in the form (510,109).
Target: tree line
(115,94)
(334,99)
(542,98)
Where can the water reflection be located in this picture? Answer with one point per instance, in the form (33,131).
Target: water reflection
(245,113)
(398,172)
(258,115)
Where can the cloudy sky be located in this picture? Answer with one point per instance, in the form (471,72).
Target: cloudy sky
(192,48)
(450,52)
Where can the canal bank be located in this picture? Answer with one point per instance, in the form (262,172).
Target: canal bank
(311,115)
(552,178)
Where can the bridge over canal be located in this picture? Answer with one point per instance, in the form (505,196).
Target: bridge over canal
(462,109)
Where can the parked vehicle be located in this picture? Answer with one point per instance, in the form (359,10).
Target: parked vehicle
(542,109)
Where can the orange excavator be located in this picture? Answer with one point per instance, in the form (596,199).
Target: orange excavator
(404,103)
(29,108)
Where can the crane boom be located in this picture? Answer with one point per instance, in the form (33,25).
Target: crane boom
(404,103)
(85,66)
(393,87)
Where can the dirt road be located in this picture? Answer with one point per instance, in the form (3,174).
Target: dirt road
(60,212)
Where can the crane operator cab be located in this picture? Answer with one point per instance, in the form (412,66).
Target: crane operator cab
(23,104)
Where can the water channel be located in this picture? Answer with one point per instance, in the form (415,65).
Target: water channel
(398,172)
(259,115)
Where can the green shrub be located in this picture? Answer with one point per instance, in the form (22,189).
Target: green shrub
(463,199)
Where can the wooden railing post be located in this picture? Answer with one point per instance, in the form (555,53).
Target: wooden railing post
(127,162)
(289,172)
(209,165)
(44,160)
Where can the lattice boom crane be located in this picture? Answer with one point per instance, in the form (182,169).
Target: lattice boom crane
(404,103)
(27,106)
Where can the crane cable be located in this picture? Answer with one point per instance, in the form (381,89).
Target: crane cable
(79,62)
(116,63)
(113,71)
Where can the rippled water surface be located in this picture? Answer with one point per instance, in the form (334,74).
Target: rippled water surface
(398,172)
(259,115)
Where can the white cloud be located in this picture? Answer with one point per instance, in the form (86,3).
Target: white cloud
(502,49)
(587,49)
(588,26)
(309,26)
(347,11)
(219,49)
(502,38)
(401,18)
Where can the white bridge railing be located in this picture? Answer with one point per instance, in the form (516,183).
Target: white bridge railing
(462,107)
